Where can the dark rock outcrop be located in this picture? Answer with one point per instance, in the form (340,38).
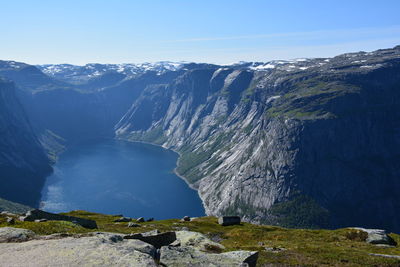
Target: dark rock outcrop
(123,219)
(154,238)
(229,220)
(36,214)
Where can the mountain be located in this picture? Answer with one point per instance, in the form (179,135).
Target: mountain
(13,207)
(85,74)
(299,143)
(28,77)
(23,162)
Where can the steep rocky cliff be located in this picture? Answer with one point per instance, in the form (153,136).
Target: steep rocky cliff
(23,163)
(299,143)
(303,143)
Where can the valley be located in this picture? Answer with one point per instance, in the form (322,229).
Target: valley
(303,143)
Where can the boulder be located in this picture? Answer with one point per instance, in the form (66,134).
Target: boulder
(189,256)
(41,220)
(150,220)
(10,220)
(378,237)
(186,219)
(229,220)
(154,238)
(10,234)
(99,249)
(123,219)
(198,240)
(140,219)
(36,214)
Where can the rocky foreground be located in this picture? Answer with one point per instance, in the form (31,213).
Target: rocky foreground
(33,240)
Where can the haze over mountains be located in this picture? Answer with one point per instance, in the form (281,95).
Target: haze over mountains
(304,143)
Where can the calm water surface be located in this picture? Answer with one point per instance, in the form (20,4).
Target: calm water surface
(117,177)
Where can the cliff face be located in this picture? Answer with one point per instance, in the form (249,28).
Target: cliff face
(78,116)
(305,143)
(23,163)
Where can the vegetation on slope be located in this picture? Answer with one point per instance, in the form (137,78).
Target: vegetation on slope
(287,247)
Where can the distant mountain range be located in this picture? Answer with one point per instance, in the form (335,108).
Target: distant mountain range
(301,143)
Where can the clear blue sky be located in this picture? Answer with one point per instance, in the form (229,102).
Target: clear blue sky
(216,31)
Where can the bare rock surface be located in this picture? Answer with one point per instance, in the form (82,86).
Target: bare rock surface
(189,256)
(377,237)
(197,240)
(102,249)
(10,234)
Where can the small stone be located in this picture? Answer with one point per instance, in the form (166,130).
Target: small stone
(176,243)
(131,224)
(274,249)
(42,220)
(140,219)
(229,220)
(123,219)
(261,244)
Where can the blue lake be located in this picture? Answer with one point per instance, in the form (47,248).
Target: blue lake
(117,177)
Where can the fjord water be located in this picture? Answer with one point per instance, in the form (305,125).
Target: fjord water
(118,177)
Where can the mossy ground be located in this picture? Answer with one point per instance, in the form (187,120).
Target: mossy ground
(342,247)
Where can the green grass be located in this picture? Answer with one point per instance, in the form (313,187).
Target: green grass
(155,136)
(308,99)
(342,247)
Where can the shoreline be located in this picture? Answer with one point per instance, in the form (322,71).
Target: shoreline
(174,170)
(177,162)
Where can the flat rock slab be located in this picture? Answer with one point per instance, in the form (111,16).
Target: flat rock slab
(10,234)
(188,256)
(154,238)
(101,249)
(36,214)
(197,240)
(377,237)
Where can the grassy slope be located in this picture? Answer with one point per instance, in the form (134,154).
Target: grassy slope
(342,247)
